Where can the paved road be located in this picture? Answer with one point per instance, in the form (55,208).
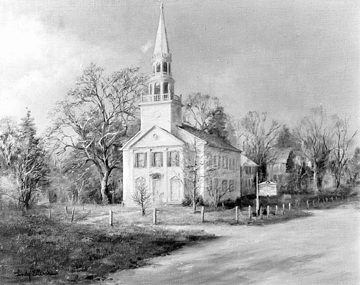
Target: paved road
(322,249)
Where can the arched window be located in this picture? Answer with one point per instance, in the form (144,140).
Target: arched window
(165,67)
(158,67)
(157,88)
(166,87)
(169,68)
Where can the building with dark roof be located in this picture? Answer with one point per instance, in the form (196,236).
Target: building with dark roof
(168,157)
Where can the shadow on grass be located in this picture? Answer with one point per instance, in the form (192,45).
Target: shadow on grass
(39,249)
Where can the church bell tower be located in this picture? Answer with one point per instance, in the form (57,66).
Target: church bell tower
(161,107)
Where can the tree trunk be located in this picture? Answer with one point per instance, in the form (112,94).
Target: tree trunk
(315,182)
(194,200)
(104,188)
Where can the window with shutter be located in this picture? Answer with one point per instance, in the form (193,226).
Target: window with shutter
(157,159)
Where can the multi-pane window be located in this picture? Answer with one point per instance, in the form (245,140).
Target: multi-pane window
(225,162)
(231,185)
(209,184)
(216,183)
(209,160)
(157,159)
(140,159)
(173,158)
(224,185)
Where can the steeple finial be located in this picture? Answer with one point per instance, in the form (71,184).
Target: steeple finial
(161,43)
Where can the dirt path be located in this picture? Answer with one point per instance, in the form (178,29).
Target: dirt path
(323,249)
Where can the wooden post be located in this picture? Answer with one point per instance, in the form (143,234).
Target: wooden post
(202,214)
(276,210)
(110,218)
(326,199)
(289,206)
(261,212)
(257,194)
(283,209)
(237,214)
(154,217)
(268,211)
(307,204)
(250,212)
(72,214)
(50,214)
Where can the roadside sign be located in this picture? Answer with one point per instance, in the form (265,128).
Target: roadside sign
(267,189)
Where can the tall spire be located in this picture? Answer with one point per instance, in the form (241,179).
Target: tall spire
(161,43)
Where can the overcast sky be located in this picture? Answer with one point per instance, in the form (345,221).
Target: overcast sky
(283,57)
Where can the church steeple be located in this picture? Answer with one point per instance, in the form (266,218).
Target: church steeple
(161,43)
(161,106)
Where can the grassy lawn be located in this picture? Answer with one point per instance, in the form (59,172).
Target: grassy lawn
(34,247)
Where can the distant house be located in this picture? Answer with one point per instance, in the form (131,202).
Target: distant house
(276,168)
(248,173)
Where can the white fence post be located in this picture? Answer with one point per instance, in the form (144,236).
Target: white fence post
(202,214)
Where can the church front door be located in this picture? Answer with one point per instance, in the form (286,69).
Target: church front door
(175,190)
(158,190)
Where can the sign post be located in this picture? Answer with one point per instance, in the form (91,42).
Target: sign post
(257,194)
(267,189)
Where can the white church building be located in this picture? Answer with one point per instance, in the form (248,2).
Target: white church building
(166,155)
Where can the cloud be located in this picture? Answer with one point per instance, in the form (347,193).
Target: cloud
(38,66)
(147,46)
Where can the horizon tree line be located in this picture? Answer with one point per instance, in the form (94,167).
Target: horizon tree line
(81,149)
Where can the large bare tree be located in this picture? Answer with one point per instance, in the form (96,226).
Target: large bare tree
(315,135)
(198,109)
(341,142)
(256,136)
(97,116)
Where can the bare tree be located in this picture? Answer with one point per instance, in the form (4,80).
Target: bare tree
(220,187)
(198,109)
(141,196)
(98,116)
(256,137)
(315,137)
(353,166)
(194,169)
(341,143)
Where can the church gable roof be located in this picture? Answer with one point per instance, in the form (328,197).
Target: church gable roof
(210,140)
(153,137)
